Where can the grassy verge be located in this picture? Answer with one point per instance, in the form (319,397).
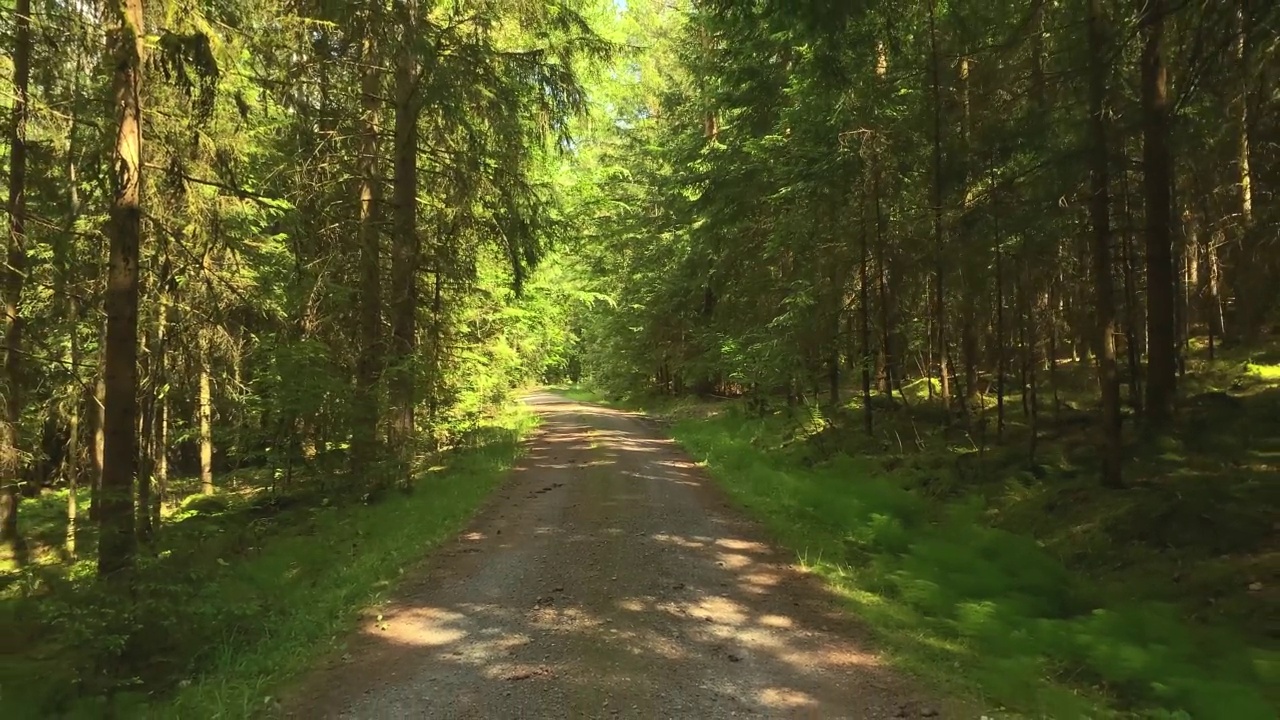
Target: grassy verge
(236,603)
(1026,620)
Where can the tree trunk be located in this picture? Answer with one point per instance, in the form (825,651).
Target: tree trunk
(1002,358)
(146,417)
(1161,360)
(160,426)
(97,416)
(1133,343)
(149,482)
(364,436)
(73,428)
(204,412)
(1109,440)
(116,540)
(864,301)
(14,276)
(1213,282)
(1051,340)
(67,273)
(1030,401)
(437,339)
(939,306)
(406,245)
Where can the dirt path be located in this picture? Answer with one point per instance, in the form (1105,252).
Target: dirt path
(608,578)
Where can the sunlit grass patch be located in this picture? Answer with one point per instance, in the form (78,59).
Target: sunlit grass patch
(1269,373)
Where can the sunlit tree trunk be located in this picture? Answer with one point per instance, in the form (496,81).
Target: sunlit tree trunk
(146,415)
(1254,294)
(116,541)
(96,400)
(204,413)
(160,425)
(73,430)
(67,271)
(152,436)
(14,276)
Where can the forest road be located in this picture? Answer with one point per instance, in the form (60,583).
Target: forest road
(608,578)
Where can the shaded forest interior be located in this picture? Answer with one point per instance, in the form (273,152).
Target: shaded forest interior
(982,299)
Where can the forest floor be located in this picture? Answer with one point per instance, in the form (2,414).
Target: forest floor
(242,592)
(609,578)
(1021,581)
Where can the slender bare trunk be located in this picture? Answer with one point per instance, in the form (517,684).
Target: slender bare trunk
(886,330)
(364,440)
(406,245)
(116,540)
(1109,440)
(1161,366)
(14,277)
(1132,326)
(939,287)
(73,429)
(864,301)
(1002,357)
(67,271)
(204,411)
(160,425)
(1250,262)
(97,401)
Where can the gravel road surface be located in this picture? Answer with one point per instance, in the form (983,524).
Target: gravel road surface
(608,578)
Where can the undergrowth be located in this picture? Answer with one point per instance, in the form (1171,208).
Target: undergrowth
(1023,581)
(242,596)
(952,594)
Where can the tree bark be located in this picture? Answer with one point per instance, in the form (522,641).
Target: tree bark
(939,307)
(68,275)
(73,431)
(1133,342)
(1161,350)
(14,276)
(406,248)
(1109,440)
(116,541)
(204,412)
(97,410)
(1002,356)
(864,301)
(160,426)
(1253,264)
(886,328)
(364,436)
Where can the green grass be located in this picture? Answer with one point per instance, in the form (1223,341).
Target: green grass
(1030,587)
(987,611)
(237,604)
(582,393)
(1269,373)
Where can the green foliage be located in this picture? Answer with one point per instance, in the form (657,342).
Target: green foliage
(952,596)
(240,597)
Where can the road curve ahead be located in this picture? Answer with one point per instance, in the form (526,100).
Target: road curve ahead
(608,578)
